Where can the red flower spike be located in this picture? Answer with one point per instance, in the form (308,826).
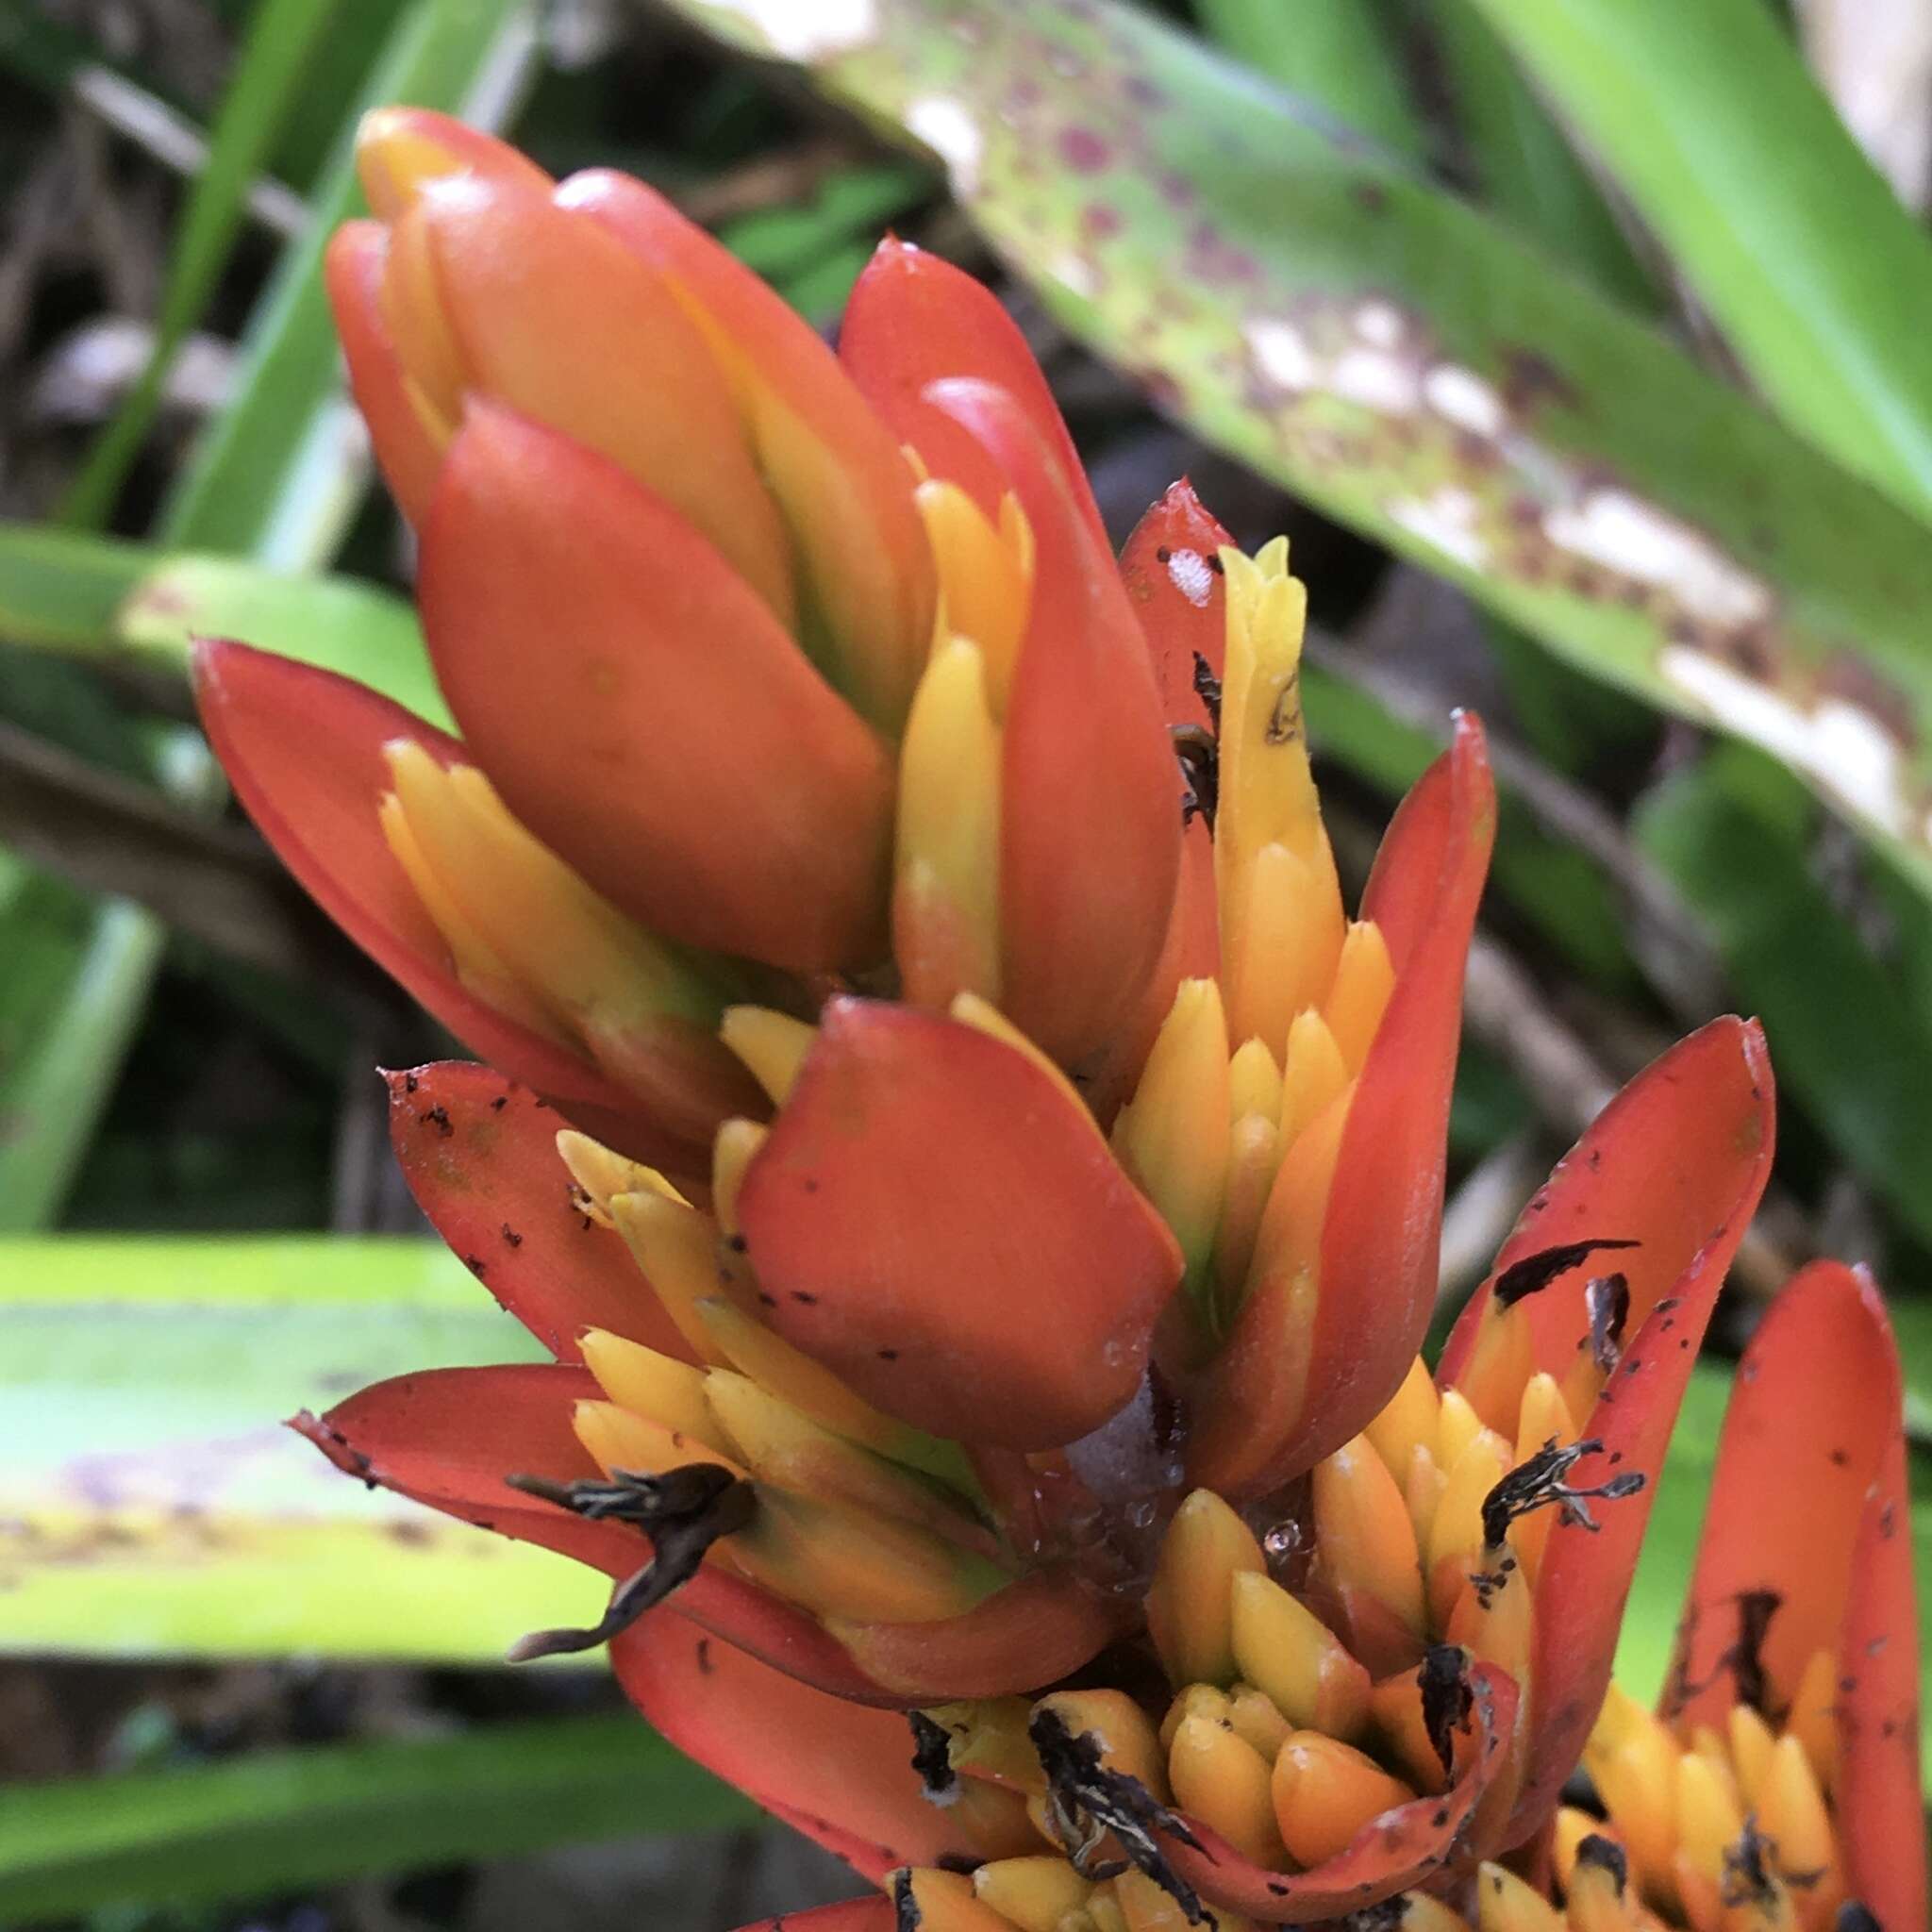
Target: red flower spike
(1393,1852)
(303,749)
(942,1225)
(1035,1631)
(1089,846)
(1678,1159)
(838,1773)
(1809,1503)
(479,1155)
(616,679)
(447,1438)
(913,319)
(838,473)
(1264,1417)
(405,450)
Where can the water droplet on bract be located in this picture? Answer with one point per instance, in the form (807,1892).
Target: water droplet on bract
(1140,1514)
(1282,1541)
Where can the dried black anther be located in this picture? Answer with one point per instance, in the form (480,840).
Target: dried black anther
(1747,1874)
(1447,1700)
(1854,1917)
(1606,1854)
(1538,1271)
(1087,1799)
(1538,1482)
(932,1758)
(1207,688)
(684,1511)
(1199,754)
(1386,1917)
(1607,1297)
(906,1912)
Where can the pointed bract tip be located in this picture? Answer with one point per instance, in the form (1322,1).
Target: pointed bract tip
(401,151)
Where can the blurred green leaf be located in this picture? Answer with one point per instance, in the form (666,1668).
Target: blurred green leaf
(1794,243)
(851,203)
(70,999)
(111,598)
(1559,890)
(267,70)
(355,628)
(277,1822)
(151,1505)
(1524,166)
(1338,54)
(70,1004)
(280,473)
(60,588)
(1848,1044)
(1420,372)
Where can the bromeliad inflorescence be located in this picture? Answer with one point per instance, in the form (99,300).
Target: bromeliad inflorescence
(979,1186)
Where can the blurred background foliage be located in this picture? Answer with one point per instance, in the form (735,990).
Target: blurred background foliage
(1577,345)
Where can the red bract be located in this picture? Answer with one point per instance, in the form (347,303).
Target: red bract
(1023,1297)
(1801,1609)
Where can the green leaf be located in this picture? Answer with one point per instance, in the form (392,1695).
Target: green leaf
(1557,887)
(1817,277)
(269,69)
(1848,1044)
(60,589)
(279,476)
(277,1822)
(111,598)
(150,1503)
(1524,167)
(70,997)
(1415,368)
(1336,54)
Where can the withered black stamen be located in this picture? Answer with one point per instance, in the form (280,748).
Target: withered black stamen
(1200,762)
(1087,1799)
(684,1511)
(1386,1917)
(1747,1875)
(1854,1917)
(1538,1482)
(1607,1297)
(932,1758)
(1606,1854)
(1447,1700)
(1538,1271)
(1207,688)
(906,1912)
